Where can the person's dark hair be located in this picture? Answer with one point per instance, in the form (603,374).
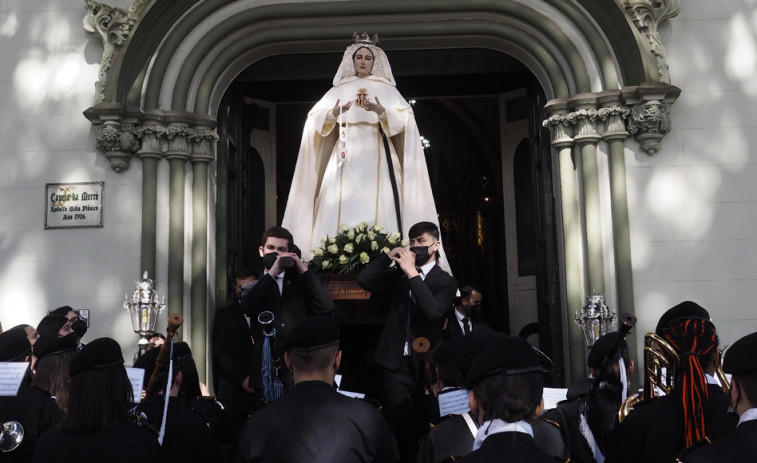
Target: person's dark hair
(63,310)
(51,324)
(99,400)
(51,375)
(423,227)
(748,386)
(695,340)
(467,290)
(510,397)
(310,361)
(450,376)
(157,335)
(278,232)
(244,273)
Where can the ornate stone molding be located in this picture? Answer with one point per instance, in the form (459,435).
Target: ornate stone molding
(123,134)
(112,26)
(647,15)
(643,111)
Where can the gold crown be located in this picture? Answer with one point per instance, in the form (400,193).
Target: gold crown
(365,39)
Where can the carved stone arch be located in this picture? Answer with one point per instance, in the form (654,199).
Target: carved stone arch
(166,65)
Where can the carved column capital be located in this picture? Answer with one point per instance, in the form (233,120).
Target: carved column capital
(203,139)
(614,118)
(649,117)
(151,132)
(177,133)
(647,15)
(557,122)
(114,128)
(584,116)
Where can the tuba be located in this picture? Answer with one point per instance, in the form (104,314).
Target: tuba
(661,364)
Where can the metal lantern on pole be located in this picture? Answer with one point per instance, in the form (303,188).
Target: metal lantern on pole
(144,308)
(595,318)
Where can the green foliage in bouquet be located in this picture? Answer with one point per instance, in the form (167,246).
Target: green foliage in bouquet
(352,249)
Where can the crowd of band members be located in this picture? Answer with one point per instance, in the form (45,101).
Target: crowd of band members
(75,403)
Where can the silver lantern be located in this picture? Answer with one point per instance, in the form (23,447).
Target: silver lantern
(595,318)
(144,308)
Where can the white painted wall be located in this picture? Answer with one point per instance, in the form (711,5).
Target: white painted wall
(693,205)
(49,68)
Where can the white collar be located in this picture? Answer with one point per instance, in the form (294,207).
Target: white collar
(280,275)
(749,415)
(460,316)
(711,379)
(497,426)
(426,268)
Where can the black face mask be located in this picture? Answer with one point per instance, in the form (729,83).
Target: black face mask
(79,327)
(475,312)
(269,259)
(421,255)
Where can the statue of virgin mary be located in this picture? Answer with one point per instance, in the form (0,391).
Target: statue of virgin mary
(361,157)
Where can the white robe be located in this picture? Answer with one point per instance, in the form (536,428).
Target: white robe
(325,195)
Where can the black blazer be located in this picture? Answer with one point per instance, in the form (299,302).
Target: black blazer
(390,291)
(508,446)
(232,351)
(302,295)
(453,327)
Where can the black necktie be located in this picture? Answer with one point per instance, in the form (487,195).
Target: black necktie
(466,327)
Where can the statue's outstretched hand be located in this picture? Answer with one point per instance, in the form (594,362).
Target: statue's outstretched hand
(345,108)
(376,107)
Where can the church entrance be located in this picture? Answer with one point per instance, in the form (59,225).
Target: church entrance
(489,161)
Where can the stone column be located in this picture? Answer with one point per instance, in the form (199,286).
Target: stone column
(563,143)
(614,114)
(586,138)
(179,148)
(151,132)
(203,138)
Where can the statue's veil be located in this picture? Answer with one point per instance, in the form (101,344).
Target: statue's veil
(381,68)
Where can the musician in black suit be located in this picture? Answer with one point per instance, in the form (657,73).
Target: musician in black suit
(417,294)
(506,384)
(313,422)
(289,291)
(741,445)
(694,412)
(467,314)
(232,351)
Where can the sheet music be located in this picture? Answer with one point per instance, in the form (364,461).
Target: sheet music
(136,377)
(11,376)
(552,395)
(453,402)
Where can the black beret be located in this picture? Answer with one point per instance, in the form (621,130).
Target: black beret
(47,345)
(602,347)
(740,358)
(313,333)
(51,324)
(100,353)
(686,310)
(461,351)
(508,356)
(14,345)
(147,360)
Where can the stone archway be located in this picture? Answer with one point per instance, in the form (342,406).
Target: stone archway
(166,66)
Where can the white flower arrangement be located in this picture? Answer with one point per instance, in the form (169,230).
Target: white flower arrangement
(352,249)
